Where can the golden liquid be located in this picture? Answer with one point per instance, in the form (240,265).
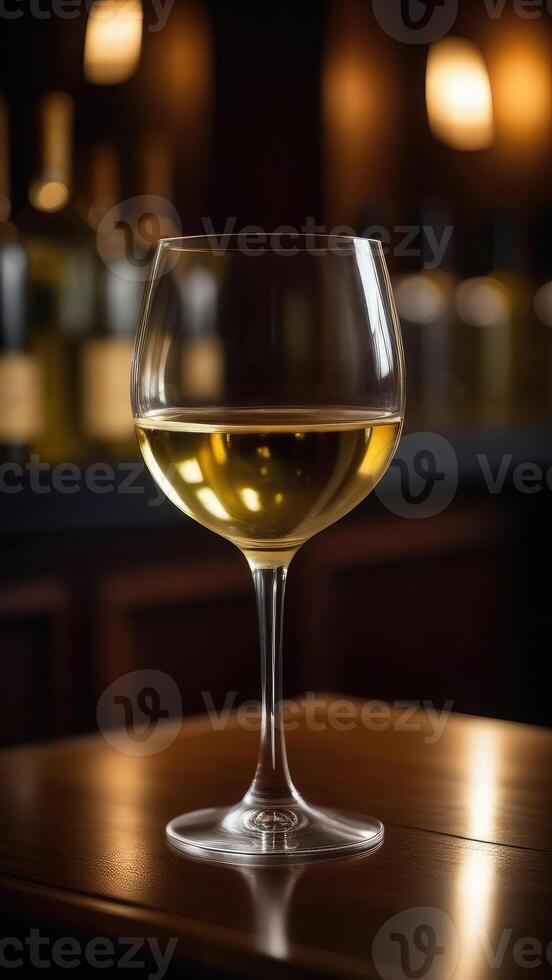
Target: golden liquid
(267,479)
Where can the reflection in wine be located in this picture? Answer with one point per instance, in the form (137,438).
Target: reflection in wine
(268,479)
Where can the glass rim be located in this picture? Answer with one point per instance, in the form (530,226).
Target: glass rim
(215,242)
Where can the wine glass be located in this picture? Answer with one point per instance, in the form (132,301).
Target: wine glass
(268,396)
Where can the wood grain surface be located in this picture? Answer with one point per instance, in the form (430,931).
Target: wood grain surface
(465,866)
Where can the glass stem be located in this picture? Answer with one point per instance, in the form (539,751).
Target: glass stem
(272,783)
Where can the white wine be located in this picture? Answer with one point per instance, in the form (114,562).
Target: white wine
(267,479)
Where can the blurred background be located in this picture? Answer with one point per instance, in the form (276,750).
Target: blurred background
(428,127)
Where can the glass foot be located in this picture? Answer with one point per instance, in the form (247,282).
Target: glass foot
(248,834)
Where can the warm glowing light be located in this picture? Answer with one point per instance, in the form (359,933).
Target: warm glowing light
(250,498)
(51,189)
(358,105)
(483,765)
(377,451)
(543,304)
(419,299)
(203,366)
(474,912)
(113,41)
(521,73)
(105,184)
(212,504)
(48,195)
(181,68)
(190,471)
(114,771)
(483,302)
(218,448)
(475,885)
(458,95)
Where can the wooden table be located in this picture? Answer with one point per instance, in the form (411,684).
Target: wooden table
(463,875)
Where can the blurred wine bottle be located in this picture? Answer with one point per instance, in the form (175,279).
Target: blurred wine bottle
(202,357)
(202,365)
(105,186)
(61,252)
(155,217)
(20,381)
(424,299)
(106,355)
(488,322)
